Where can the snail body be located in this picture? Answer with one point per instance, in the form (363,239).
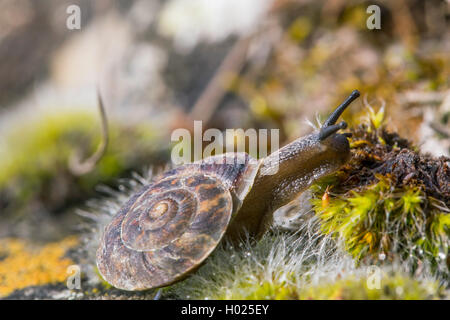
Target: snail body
(167,229)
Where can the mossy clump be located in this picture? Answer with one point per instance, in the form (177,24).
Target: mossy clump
(301,266)
(389,202)
(22,264)
(395,287)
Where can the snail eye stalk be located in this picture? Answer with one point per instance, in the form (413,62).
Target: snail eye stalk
(340,109)
(325,132)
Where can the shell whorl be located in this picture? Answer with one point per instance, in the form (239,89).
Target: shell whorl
(168,228)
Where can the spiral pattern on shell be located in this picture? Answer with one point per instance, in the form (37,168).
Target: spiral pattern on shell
(165,231)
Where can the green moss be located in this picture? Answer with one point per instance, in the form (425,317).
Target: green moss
(286,267)
(384,203)
(35,158)
(394,287)
(384,219)
(351,288)
(252,290)
(33,149)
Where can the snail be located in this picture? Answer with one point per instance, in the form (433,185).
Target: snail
(166,230)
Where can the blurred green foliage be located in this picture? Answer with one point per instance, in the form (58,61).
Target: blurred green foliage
(36,156)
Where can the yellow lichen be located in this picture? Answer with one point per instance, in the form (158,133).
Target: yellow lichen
(25,265)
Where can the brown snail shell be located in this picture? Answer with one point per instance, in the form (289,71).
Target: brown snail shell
(169,228)
(172,225)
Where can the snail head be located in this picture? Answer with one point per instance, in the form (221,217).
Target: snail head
(337,143)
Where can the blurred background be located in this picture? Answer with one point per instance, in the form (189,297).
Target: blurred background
(159,65)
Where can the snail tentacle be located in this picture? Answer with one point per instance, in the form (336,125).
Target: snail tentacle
(340,109)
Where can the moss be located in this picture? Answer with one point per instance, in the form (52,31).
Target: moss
(252,270)
(287,267)
(352,288)
(24,264)
(388,201)
(385,220)
(36,156)
(33,149)
(394,287)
